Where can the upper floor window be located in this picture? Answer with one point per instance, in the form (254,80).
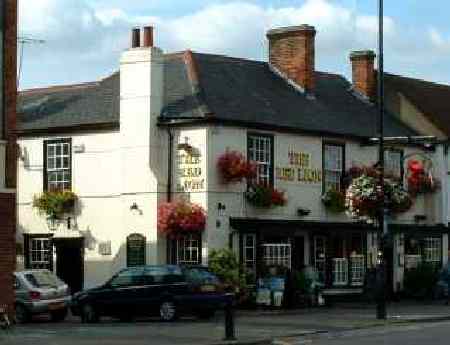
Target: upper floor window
(333,166)
(58,165)
(260,150)
(393,162)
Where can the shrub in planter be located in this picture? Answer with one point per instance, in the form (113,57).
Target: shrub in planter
(334,200)
(419,282)
(234,167)
(180,217)
(55,203)
(224,263)
(261,195)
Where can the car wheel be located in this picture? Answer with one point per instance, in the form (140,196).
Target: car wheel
(22,314)
(168,311)
(88,314)
(58,315)
(206,314)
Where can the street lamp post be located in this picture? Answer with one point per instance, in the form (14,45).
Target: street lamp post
(382,231)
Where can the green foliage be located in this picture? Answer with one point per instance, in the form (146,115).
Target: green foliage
(302,282)
(55,203)
(334,201)
(419,282)
(225,265)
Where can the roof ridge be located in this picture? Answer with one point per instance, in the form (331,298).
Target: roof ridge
(193,74)
(60,88)
(418,79)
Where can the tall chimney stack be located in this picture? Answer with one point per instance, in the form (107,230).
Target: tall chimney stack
(292,53)
(136,38)
(363,73)
(148,36)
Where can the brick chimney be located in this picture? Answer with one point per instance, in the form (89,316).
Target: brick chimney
(292,53)
(363,73)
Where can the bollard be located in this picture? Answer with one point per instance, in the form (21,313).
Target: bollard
(229,318)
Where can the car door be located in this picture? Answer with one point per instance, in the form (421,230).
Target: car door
(119,296)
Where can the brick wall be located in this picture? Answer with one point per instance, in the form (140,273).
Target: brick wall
(292,52)
(363,73)
(8,200)
(7,247)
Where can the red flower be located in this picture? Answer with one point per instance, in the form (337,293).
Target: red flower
(234,167)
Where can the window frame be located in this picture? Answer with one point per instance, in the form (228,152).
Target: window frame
(28,239)
(251,135)
(402,155)
(249,263)
(189,237)
(57,141)
(343,157)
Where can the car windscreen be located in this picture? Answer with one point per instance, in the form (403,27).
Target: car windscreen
(200,276)
(42,279)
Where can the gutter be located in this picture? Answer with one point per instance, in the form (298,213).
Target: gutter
(169,165)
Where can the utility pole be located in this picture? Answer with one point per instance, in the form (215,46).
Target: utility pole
(23,40)
(382,227)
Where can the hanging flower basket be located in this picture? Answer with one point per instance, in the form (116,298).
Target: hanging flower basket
(260,195)
(334,201)
(364,200)
(180,217)
(234,167)
(55,203)
(420,180)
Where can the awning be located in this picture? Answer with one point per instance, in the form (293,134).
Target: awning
(286,226)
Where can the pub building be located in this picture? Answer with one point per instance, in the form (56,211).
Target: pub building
(254,145)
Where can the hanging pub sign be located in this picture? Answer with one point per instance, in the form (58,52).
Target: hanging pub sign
(299,169)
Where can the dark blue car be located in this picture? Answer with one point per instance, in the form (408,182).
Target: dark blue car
(168,291)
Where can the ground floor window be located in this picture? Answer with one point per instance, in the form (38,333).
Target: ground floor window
(277,254)
(188,250)
(432,250)
(40,253)
(422,250)
(249,251)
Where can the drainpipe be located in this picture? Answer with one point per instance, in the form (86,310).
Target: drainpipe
(169,166)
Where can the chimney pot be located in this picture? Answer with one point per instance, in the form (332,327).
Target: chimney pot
(148,36)
(135,38)
(292,52)
(363,72)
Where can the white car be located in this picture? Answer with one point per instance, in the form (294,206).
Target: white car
(39,292)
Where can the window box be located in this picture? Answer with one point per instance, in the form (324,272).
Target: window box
(55,203)
(260,195)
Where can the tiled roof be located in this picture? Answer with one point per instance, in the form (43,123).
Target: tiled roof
(432,99)
(218,88)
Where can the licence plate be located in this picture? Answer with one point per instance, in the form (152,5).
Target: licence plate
(208,288)
(56,306)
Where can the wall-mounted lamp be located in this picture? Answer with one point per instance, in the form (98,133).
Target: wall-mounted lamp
(221,208)
(302,212)
(135,208)
(53,223)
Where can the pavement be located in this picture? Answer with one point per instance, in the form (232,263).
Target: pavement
(252,327)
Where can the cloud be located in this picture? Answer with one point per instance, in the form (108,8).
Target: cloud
(84,38)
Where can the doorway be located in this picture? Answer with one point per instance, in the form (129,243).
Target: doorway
(70,262)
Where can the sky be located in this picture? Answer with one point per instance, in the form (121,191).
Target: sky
(84,38)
